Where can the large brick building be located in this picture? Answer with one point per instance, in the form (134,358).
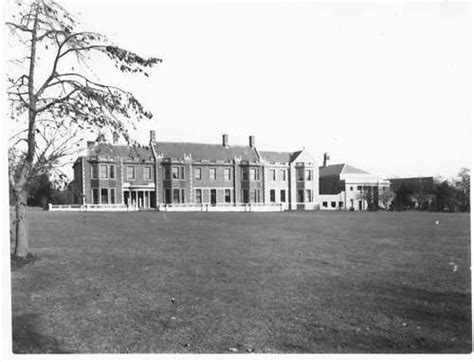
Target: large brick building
(171,173)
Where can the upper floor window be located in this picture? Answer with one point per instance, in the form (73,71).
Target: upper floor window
(309,175)
(147,173)
(94,170)
(359,188)
(167,171)
(130,172)
(213,173)
(177,172)
(282,175)
(300,174)
(103,171)
(255,174)
(245,174)
(197,173)
(273,175)
(112,172)
(227,174)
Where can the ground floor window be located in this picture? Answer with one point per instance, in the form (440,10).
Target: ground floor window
(272,195)
(301,196)
(112,196)
(341,204)
(213,196)
(178,196)
(227,196)
(309,195)
(325,204)
(198,195)
(282,196)
(104,196)
(167,196)
(95,196)
(333,204)
(245,196)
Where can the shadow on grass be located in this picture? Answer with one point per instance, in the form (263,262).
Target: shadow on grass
(17,263)
(26,338)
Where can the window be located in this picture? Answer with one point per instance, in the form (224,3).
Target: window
(147,173)
(103,172)
(325,204)
(282,175)
(176,196)
(282,196)
(272,195)
(309,196)
(167,196)
(95,196)
(341,204)
(198,195)
(359,188)
(252,174)
(131,172)
(112,172)
(245,174)
(112,196)
(177,172)
(309,175)
(94,171)
(245,196)
(227,196)
(300,174)
(273,175)
(213,196)
(212,173)
(351,188)
(104,196)
(197,174)
(333,203)
(300,195)
(227,174)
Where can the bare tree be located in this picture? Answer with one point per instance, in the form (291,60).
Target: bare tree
(55,95)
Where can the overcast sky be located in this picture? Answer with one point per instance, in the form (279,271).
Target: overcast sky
(383,87)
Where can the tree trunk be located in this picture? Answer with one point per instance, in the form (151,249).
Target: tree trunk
(21,242)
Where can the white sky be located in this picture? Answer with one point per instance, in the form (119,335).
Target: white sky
(384,87)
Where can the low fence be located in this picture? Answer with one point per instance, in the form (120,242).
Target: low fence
(91,207)
(223,207)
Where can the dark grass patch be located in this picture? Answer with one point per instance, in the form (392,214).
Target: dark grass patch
(17,263)
(283,282)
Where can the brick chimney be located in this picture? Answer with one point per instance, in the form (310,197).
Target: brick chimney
(325,159)
(152,136)
(225,140)
(252,141)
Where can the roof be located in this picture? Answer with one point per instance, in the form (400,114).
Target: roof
(124,151)
(336,170)
(204,151)
(282,157)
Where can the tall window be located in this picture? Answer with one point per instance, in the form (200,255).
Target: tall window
(282,175)
(112,172)
(212,173)
(95,196)
(178,196)
(300,195)
(167,172)
(245,174)
(197,173)
(147,173)
(94,170)
(255,174)
(245,196)
(112,196)
(213,196)
(227,196)
(227,174)
(309,196)
(104,196)
(300,174)
(273,175)
(131,172)
(198,195)
(272,195)
(103,171)
(309,175)
(282,196)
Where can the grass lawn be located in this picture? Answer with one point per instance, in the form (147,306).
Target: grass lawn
(263,282)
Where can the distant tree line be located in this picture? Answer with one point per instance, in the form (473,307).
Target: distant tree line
(447,195)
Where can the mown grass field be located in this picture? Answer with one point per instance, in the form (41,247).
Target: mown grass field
(270,282)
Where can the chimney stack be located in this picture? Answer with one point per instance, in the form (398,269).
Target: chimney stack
(225,140)
(325,159)
(252,141)
(152,136)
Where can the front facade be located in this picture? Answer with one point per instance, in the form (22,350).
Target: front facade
(344,187)
(169,174)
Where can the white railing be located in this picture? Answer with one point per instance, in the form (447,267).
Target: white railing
(90,207)
(223,207)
